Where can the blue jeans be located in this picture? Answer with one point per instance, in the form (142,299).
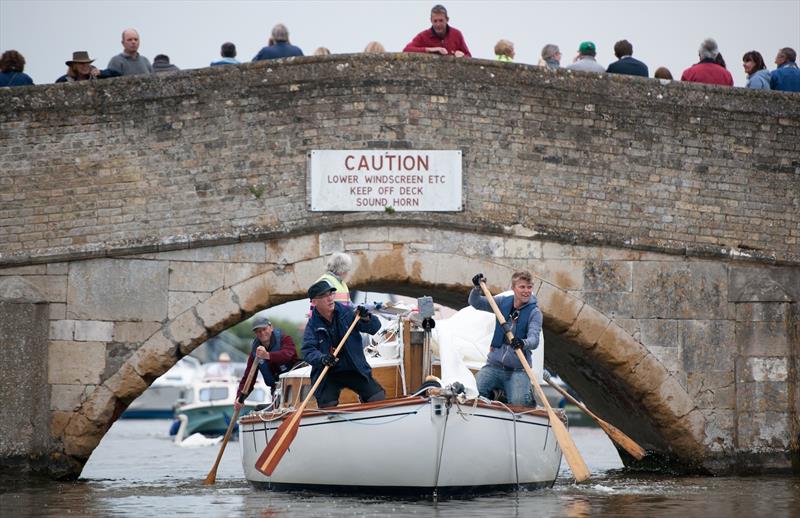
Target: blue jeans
(516,384)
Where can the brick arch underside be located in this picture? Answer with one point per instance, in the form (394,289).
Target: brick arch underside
(611,371)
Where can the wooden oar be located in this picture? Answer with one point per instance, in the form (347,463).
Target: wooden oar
(579,469)
(614,433)
(284,435)
(211,478)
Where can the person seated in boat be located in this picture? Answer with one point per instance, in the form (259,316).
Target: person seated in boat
(503,369)
(222,369)
(328,324)
(275,352)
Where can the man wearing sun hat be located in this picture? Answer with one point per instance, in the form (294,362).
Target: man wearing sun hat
(276,354)
(328,324)
(585,61)
(81,69)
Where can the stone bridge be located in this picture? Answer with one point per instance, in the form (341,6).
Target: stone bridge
(140,216)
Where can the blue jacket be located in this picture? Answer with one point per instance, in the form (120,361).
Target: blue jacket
(526,327)
(786,77)
(321,337)
(628,66)
(759,80)
(15,79)
(281,49)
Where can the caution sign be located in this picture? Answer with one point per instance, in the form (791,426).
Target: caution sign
(385,180)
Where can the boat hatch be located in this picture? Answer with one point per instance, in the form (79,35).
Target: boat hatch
(213,393)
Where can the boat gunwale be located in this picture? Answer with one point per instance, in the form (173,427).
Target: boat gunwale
(255,418)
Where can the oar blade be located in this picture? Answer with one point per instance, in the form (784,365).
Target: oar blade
(277,446)
(625,442)
(579,469)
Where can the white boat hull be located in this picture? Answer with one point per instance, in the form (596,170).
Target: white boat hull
(410,445)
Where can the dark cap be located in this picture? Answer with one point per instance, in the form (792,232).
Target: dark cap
(319,288)
(260,322)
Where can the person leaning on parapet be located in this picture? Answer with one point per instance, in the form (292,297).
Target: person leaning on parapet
(279,46)
(12,65)
(551,56)
(228,53)
(129,62)
(161,64)
(504,51)
(585,61)
(708,71)
(626,64)
(441,38)
(756,70)
(787,76)
(374,47)
(503,369)
(324,330)
(80,69)
(275,352)
(322,51)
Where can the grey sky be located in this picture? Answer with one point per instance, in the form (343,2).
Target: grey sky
(664,33)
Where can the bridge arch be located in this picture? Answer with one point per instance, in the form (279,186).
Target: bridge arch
(613,371)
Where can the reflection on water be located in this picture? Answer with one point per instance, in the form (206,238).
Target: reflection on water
(138,471)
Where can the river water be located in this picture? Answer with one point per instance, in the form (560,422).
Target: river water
(138,471)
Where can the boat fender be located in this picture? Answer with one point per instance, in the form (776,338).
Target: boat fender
(173,428)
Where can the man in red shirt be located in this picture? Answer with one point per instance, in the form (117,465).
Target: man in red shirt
(707,70)
(440,38)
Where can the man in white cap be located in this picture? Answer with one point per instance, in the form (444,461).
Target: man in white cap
(276,354)
(328,324)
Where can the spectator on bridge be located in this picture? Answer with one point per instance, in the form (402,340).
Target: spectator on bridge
(374,47)
(441,38)
(12,65)
(503,370)
(129,62)
(756,70)
(551,56)
(228,53)
(322,51)
(504,51)
(161,64)
(787,76)
(585,60)
(275,352)
(719,60)
(708,71)
(80,69)
(279,46)
(626,64)
(663,73)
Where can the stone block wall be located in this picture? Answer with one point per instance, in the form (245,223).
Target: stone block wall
(139,164)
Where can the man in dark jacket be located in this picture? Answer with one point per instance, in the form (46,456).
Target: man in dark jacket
(626,64)
(279,46)
(327,326)
(503,369)
(276,354)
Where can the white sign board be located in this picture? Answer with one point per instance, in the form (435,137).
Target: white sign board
(381,180)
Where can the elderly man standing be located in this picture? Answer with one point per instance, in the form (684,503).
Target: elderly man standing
(327,326)
(787,76)
(503,369)
(129,62)
(441,38)
(279,46)
(275,353)
(707,70)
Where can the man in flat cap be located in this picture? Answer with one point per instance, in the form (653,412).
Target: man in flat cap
(328,324)
(275,352)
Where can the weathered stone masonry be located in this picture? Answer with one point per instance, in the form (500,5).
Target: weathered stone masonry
(661,222)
